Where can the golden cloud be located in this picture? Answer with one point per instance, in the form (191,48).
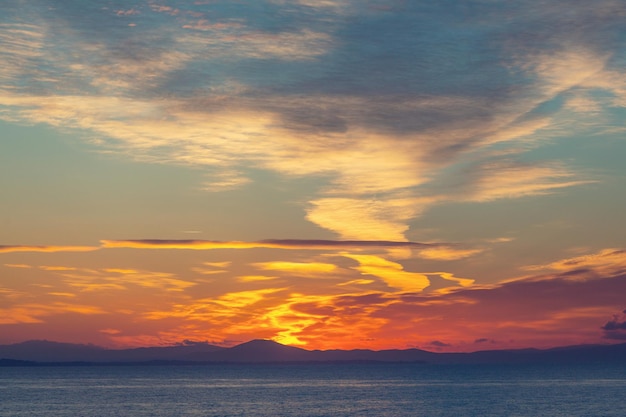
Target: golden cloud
(34,313)
(447,253)
(299,267)
(47,249)
(392,273)
(607,261)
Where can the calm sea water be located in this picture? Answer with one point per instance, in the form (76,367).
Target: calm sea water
(309,390)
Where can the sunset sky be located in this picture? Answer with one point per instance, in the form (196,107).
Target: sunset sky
(447,175)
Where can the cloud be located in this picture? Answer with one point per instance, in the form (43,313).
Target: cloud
(255,278)
(295,244)
(616,327)
(240,42)
(22,45)
(23,266)
(110,331)
(63,294)
(242,313)
(332,4)
(34,312)
(608,261)
(508,179)
(392,273)
(212,268)
(10,293)
(46,249)
(118,279)
(354,218)
(225,180)
(463,282)
(57,268)
(448,253)
(296,267)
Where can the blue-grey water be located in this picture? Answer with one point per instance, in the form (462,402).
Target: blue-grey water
(315,390)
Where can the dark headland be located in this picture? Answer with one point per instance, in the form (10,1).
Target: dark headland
(42,353)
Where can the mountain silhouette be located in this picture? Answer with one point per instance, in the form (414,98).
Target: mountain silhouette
(257,351)
(267,351)
(47,351)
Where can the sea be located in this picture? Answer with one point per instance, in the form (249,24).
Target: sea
(377,390)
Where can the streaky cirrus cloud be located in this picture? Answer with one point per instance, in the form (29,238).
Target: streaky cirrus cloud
(603,261)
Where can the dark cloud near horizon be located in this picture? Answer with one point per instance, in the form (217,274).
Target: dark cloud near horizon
(438,343)
(614,325)
(615,329)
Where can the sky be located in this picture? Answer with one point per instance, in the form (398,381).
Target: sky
(329,174)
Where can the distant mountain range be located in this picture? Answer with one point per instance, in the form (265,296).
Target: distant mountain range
(41,352)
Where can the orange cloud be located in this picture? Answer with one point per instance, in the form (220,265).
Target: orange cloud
(26,248)
(295,244)
(302,267)
(392,273)
(212,268)
(34,313)
(57,268)
(121,279)
(357,218)
(110,331)
(62,294)
(447,253)
(463,282)
(254,278)
(121,271)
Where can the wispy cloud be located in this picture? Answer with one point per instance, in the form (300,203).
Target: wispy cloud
(305,268)
(35,313)
(507,179)
(41,248)
(607,261)
(448,253)
(24,266)
(122,279)
(295,244)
